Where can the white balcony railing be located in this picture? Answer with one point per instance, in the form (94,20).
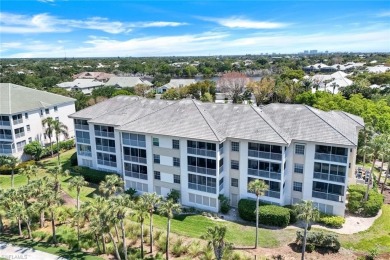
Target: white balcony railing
(136,175)
(265,155)
(203,188)
(203,170)
(203,152)
(83,140)
(107,163)
(134,159)
(17,121)
(265,174)
(272,194)
(7,123)
(103,148)
(85,153)
(327,196)
(329,177)
(6,136)
(104,134)
(331,157)
(134,142)
(81,127)
(20,135)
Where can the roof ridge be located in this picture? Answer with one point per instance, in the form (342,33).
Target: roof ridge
(269,123)
(206,119)
(329,124)
(348,115)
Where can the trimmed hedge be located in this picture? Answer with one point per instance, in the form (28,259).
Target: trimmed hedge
(318,239)
(332,221)
(273,215)
(91,175)
(356,202)
(293,213)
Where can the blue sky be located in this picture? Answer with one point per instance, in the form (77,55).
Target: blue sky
(55,28)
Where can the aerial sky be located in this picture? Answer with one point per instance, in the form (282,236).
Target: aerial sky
(68,28)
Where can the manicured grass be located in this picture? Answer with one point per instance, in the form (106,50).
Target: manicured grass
(378,235)
(45,247)
(240,235)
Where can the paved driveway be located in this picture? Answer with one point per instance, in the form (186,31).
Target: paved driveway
(9,251)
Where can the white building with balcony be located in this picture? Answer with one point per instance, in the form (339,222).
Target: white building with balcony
(207,149)
(22,110)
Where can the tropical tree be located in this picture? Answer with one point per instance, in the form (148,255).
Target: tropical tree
(151,200)
(308,213)
(29,171)
(59,129)
(48,124)
(376,145)
(141,213)
(258,187)
(34,149)
(77,183)
(168,208)
(367,135)
(121,205)
(107,220)
(53,200)
(55,172)
(111,185)
(11,162)
(384,153)
(216,238)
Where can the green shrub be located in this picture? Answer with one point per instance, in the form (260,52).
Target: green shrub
(247,209)
(318,239)
(91,175)
(293,213)
(224,204)
(273,215)
(67,235)
(179,248)
(40,235)
(374,203)
(73,159)
(174,195)
(332,221)
(356,203)
(5,170)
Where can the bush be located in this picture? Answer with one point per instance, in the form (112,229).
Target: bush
(318,239)
(356,202)
(374,203)
(332,221)
(40,235)
(293,213)
(34,149)
(5,170)
(174,195)
(224,204)
(179,248)
(73,159)
(273,215)
(91,175)
(247,209)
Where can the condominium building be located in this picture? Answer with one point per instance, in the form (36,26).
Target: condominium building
(22,110)
(207,149)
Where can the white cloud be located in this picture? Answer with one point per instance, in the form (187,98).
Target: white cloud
(384,14)
(45,23)
(46,1)
(242,23)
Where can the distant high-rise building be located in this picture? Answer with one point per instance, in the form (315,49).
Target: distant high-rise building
(313,51)
(305,52)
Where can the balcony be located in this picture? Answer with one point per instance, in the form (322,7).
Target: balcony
(5,136)
(221,169)
(203,152)
(81,127)
(203,188)
(83,140)
(6,123)
(220,187)
(107,163)
(331,157)
(265,174)
(265,155)
(203,170)
(104,134)
(136,175)
(20,135)
(329,177)
(221,150)
(327,196)
(105,148)
(134,143)
(135,159)
(7,149)
(272,194)
(17,121)
(85,153)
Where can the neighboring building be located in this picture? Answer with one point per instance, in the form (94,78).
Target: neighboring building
(330,83)
(378,69)
(175,83)
(126,82)
(22,110)
(84,85)
(98,76)
(207,149)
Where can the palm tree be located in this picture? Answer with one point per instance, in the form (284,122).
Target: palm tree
(53,201)
(141,213)
(29,171)
(168,208)
(11,162)
(121,205)
(111,185)
(258,187)
(57,171)
(107,220)
(308,213)
(376,145)
(384,154)
(151,200)
(39,187)
(59,129)
(49,130)
(216,238)
(367,134)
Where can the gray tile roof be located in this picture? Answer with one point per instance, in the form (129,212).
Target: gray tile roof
(305,123)
(275,123)
(124,82)
(16,99)
(80,83)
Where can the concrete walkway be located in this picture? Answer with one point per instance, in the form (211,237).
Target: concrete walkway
(9,251)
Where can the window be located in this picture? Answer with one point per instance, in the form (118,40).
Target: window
(175,144)
(297,186)
(235,146)
(26,115)
(106,159)
(156,158)
(176,179)
(299,149)
(157,175)
(41,112)
(55,108)
(298,168)
(133,140)
(47,111)
(234,182)
(28,128)
(20,145)
(235,165)
(176,162)
(156,141)
(29,140)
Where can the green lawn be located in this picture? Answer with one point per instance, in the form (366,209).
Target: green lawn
(378,235)
(45,247)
